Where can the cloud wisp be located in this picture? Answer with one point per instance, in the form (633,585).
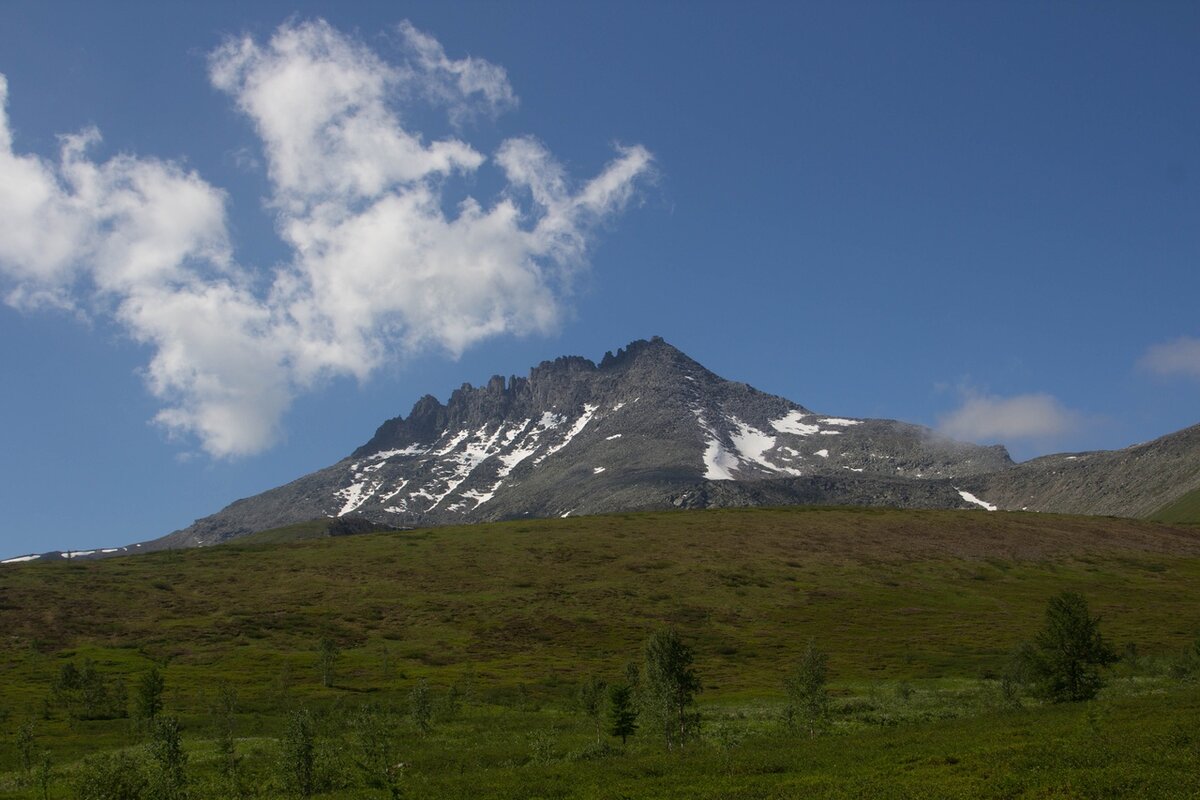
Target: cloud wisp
(378,267)
(1026,417)
(1178,357)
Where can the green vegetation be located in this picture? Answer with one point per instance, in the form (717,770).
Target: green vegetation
(149,695)
(1186,509)
(329,654)
(1065,658)
(622,714)
(807,697)
(465,657)
(669,686)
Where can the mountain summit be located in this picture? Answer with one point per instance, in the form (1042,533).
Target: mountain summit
(647,427)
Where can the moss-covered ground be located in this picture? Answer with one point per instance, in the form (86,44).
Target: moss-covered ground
(917,610)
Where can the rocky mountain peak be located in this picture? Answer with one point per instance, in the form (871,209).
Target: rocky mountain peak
(646,427)
(567,382)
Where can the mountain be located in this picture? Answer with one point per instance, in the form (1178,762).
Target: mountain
(1137,481)
(645,428)
(649,428)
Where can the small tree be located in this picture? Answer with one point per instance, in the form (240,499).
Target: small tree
(149,694)
(622,715)
(420,706)
(298,754)
(1065,659)
(669,684)
(591,699)
(807,698)
(95,691)
(25,746)
(329,653)
(375,751)
(230,762)
(44,774)
(168,781)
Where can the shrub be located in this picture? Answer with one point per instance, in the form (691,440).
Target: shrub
(420,706)
(84,693)
(117,776)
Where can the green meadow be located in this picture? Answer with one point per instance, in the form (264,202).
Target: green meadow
(1185,509)
(500,624)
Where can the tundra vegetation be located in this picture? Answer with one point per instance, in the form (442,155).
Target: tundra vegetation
(840,653)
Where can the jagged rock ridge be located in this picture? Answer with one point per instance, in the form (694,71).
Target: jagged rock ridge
(647,427)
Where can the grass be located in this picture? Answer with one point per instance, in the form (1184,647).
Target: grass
(1184,510)
(314,529)
(917,610)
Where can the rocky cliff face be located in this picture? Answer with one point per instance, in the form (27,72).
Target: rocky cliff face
(647,427)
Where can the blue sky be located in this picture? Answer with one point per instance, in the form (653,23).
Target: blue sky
(980,217)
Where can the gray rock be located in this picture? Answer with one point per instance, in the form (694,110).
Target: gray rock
(649,428)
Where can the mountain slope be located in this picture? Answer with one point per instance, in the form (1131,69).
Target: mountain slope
(1134,482)
(645,428)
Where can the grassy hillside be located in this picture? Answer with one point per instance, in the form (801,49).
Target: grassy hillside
(1184,510)
(917,610)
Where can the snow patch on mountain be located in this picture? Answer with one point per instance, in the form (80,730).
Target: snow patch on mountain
(479,497)
(752,445)
(411,450)
(455,442)
(355,495)
(970,498)
(791,423)
(580,424)
(717,460)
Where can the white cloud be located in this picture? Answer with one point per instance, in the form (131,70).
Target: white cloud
(987,418)
(119,224)
(378,267)
(449,82)
(1180,357)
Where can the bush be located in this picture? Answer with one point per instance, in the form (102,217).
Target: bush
(110,777)
(541,745)
(420,706)
(593,751)
(84,693)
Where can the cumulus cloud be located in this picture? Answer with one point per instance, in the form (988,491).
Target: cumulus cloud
(1179,357)
(378,268)
(987,418)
